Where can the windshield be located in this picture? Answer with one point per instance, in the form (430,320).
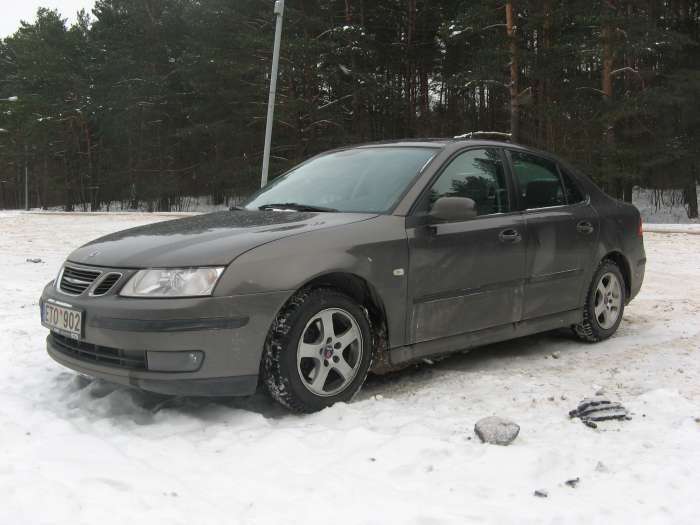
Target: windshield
(367,180)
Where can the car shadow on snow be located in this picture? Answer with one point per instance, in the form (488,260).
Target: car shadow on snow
(83,396)
(98,399)
(511,355)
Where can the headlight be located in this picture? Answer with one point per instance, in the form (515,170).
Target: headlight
(172,282)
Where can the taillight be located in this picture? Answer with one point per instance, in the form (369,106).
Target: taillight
(640,230)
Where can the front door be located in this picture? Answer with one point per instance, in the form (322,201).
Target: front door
(468,275)
(562,229)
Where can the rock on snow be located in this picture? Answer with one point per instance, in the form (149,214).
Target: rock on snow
(496,430)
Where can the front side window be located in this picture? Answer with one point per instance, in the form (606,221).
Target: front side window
(367,180)
(477,174)
(538,181)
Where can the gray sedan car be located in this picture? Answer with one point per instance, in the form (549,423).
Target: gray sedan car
(359,259)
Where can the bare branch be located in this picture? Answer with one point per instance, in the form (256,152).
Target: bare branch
(591,89)
(622,69)
(334,102)
(321,123)
(497,82)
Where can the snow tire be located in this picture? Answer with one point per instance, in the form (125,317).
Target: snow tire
(280,375)
(590,330)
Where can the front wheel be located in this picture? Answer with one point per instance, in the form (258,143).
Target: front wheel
(318,350)
(605,304)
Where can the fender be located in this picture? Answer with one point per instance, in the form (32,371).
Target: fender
(375,250)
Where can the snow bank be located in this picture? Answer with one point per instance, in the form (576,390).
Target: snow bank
(76,450)
(670,209)
(672,228)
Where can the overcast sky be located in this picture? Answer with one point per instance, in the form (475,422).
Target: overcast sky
(12,11)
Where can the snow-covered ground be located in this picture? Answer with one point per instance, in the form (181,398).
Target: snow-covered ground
(73,450)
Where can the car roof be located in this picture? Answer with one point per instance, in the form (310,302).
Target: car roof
(456,142)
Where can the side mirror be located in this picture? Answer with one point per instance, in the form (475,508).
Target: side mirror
(453,209)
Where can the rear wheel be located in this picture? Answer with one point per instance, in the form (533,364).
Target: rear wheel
(318,351)
(605,304)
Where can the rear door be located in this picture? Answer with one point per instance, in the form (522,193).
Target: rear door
(562,229)
(466,275)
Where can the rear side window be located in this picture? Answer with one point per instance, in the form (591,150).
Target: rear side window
(573,194)
(538,181)
(477,174)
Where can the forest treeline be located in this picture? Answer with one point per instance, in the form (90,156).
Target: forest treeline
(146,102)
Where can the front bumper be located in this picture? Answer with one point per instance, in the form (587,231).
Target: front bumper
(230,331)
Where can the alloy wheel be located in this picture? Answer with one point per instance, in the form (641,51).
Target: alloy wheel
(608,300)
(329,352)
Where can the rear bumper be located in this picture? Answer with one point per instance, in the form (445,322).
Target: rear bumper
(230,331)
(637,277)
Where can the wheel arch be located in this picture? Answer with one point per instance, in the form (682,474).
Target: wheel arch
(273,373)
(362,291)
(621,261)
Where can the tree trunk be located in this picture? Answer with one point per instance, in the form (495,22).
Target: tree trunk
(355,122)
(607,89)
(513,47)
(546,45)
(68,206)
(607,62)
(410,68)
(425,99)
(627,188)
(481,110)
(44,197)
(691,194)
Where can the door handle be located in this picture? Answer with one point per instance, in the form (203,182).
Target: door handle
(510,235)
(584,227)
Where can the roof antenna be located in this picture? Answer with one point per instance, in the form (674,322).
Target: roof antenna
(484,134)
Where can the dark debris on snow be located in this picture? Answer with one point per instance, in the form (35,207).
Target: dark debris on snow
(592,410)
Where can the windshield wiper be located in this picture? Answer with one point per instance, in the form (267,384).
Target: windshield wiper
(294,206)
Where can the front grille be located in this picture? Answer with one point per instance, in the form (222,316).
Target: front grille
(104,355)
(106,284)
(75,281)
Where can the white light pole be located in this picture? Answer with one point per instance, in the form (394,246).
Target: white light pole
(279,13)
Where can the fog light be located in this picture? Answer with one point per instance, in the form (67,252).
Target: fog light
(175,361)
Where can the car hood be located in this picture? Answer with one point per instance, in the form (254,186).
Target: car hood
(203,240)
